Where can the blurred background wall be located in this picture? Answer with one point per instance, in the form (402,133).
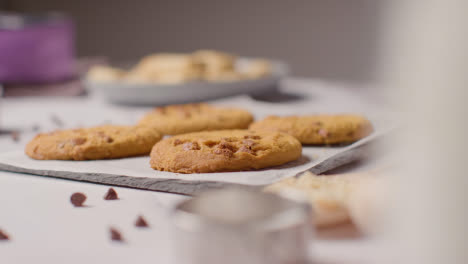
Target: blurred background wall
(331,39)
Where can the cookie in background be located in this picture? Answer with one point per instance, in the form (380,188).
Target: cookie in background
(318,129)
(185,118)
(176,68)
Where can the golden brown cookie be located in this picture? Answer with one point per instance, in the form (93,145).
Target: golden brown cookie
(318,129)
(102,142)
(103,73)
(257,68)
(166,68)
(226,150)
(214,61)
(179,119)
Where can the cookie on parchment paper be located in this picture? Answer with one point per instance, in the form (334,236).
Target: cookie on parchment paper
(101,142)
(318,129)
(186,118)
(226,150)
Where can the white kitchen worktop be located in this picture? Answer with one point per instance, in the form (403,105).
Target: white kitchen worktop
(45,228)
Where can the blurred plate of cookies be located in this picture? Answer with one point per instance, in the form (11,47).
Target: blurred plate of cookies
(164,78)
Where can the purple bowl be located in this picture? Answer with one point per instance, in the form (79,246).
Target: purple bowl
(36,49)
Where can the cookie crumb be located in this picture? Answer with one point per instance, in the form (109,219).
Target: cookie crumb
(77,199)
(15,136)
(111,195)
(115,235)
(4,236)
(141,222)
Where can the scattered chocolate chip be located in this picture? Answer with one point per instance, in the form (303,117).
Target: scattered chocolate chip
(78,141)
(251,137)
(4,236)
(77,199)
(111,195)
(323,132)
(56,120)
(115,234)
(15,136)
(36,128)
(191,146)
(141,222)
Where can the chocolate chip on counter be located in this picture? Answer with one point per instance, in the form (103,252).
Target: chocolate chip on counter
(15,136)
(36,127)
(4,236)
(141,222)
(111,195)
(115,234)
(77,199)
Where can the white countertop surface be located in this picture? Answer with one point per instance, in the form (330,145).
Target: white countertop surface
(45,228)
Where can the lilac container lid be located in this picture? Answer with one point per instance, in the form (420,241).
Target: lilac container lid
(36,49)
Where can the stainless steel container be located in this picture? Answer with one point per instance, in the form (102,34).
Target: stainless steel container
(242,226)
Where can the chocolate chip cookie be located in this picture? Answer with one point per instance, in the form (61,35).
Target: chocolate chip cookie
(179,119)
(102,142)
(318,129)
(226,150)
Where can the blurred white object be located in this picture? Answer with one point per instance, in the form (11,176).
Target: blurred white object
(427,48)
(157,94)
(243,226)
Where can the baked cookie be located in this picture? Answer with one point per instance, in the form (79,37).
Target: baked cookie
(166,68)
(179,119)
(318,129)
(102,142)
(257,68)
(224,150)
(214,61)
(329,195)
(102,73)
